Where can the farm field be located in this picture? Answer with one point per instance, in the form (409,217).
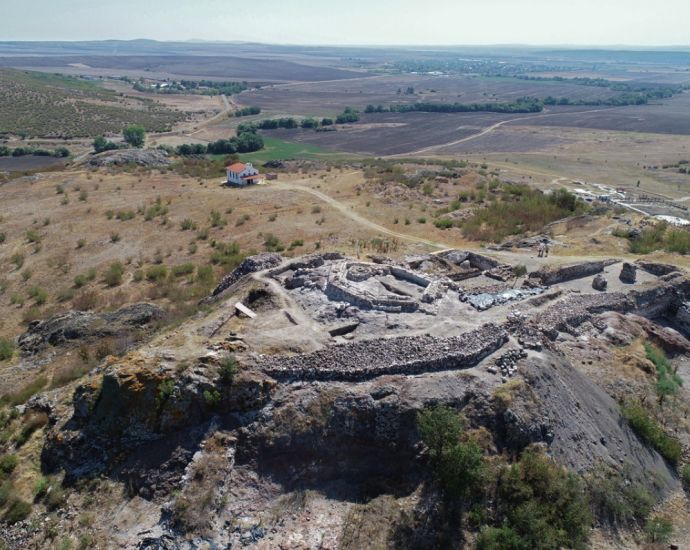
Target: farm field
(278,149)
(328,98)
(181,66)
(401,133)
(29,162)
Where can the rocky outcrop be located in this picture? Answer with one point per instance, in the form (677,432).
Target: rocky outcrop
(628,273)
(80,325)
(403,355)
(150,158)
(599,283)
(580,423)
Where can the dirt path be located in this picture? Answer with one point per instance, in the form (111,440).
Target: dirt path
(512,257)
(354,216)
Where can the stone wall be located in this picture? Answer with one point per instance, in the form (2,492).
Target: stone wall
(402,355)
(339,288)
(551,275)
(252,264)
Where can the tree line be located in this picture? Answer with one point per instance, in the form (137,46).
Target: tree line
(202,87)
(247,111)
(246,142)
(521,105)
(348,115)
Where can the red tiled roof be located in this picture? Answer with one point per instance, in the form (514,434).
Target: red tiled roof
(237,167)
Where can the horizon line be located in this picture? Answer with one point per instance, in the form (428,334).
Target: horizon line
(639,47)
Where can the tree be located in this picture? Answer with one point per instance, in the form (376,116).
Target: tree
(248,142)
(134,134)
(459,466)
(101,144)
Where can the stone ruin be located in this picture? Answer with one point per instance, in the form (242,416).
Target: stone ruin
(443,311)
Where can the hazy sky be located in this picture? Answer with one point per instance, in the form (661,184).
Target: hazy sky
(609,22)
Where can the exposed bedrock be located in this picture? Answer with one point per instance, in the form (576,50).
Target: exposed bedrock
(401,355)
(580,423)
(79,325)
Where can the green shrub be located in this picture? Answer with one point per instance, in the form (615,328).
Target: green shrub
(7,464)
(615,500)
(3,238)
(212,398)
(668,380)
(18,260)
(543,504)
(227,254)
(80,281)
(125,215)
(650,432)
(444,223)
(6,349)
(678,241)
(227,369)
(18,510)
(499,538)
(520,209)
(40,487)
(83,195)
(114,237)
(81,243)
(156,273)
(138,276)
(33,236)
(216,219)
(39,295)
(188,224)
(204,274)
(658,530)
(113,276)
(182,269)
(156,210)
(272,243)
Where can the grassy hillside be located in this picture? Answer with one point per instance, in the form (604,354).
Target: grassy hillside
(45,105)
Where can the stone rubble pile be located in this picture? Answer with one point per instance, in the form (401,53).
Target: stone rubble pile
(506,364)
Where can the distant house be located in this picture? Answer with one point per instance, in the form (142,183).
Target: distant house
(242,174)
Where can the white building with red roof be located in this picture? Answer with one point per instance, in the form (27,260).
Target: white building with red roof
(242,174)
